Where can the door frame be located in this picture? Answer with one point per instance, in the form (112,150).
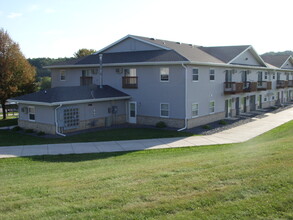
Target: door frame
(132,120)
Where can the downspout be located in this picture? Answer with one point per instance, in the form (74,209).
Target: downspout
(56,121)
(185,120)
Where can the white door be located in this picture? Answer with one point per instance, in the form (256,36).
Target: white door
(132,112)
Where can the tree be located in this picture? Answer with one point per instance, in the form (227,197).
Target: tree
(84,52)
(45,83)
(17,76)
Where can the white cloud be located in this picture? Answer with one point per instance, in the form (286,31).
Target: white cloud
(14,15)
(50,11)
(33,8)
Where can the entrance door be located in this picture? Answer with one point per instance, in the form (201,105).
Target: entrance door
(252,103)
(132,112)
(244,104)
(228,108)
(259,101)
(237,106)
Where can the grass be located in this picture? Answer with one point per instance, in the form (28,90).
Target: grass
(10,138)
(251,180)
(11,120)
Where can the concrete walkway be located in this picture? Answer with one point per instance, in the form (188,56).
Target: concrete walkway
(234,135)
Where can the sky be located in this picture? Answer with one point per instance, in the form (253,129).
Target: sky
(59,28)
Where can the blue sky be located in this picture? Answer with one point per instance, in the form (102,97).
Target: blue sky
(58,28)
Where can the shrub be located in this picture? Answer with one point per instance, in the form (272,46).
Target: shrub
(206,127)
(223,122)
(41,133)
(29,131)
(16,128)
(161,124)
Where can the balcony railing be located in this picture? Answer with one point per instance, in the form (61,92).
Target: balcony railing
(290,83)
(233,87)
(249,86)
(282,84)
(129,82)
(264,85)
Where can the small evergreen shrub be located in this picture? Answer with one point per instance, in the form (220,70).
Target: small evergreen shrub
(206,127)
(161,124)
(16,128)
(41,133)
(223,122)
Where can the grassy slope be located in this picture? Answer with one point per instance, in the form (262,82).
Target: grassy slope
(10,138)
(252,180)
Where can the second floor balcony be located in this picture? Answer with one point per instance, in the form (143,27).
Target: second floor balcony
(282,84)
(249,86)
(264,85)
(129,82)
(233,87)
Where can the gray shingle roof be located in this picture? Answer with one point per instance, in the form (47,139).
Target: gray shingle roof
(128,57)
(275,60)
(189,51)
(72,93)
(225,53)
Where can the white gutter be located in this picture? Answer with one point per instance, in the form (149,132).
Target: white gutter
(185,120)
(70,102)
(56,121)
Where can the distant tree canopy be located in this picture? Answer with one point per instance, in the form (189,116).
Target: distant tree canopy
(287,52)
(84,52)
(17,76)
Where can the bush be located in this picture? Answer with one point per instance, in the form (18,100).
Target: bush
(41,133)
(223,122)
(206,127)
(161,124)
(29,131)
(16,128)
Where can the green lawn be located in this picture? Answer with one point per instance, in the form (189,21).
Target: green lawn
(11,120)
(252,180)
(10,138)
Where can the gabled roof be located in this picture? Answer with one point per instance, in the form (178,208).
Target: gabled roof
(225,53)
(276,60)
(63,95)
(127,57)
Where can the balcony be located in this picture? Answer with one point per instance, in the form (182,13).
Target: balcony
(290,83)
(282,84)
(264,85)
(249,86)
(233,87)
(129,82)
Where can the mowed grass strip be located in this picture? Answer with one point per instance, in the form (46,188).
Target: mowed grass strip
(252,180)
(10,138)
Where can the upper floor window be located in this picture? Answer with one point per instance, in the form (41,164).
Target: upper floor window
(164,110)
(130,72)
(274,75)
(212,106)
(164,73)
(31,113)
(259,76)
(212,74)
(195,76)
(278,75)
(194,110)
(287,76)
(228,76)
(62,75)
(89,72)
(266,75)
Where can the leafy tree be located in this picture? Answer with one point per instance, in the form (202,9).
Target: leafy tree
(45,83)
(84,52)
(287,52)
(17,76)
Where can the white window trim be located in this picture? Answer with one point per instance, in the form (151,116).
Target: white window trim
(195,116)
(214,107)
(195,74)
(62,71)
(28,108)
(163,116)
(161,74)
(212,74)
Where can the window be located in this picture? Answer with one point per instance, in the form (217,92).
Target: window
(278,75)
(164,110)
(195,75)
(212,106)
(266,75)
(274,76)
(164,72)
(212,74)
(31,113)
(130,72)
(62,75)
(194,110)
(287,76)
(89,72)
